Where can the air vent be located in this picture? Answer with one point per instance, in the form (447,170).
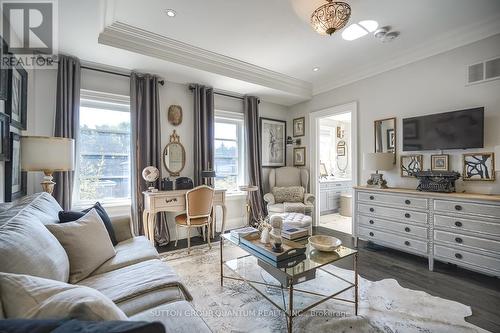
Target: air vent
(484,71)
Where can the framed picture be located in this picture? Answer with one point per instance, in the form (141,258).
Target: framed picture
(17,101)
(440,162)
(4,137)
(4,74)
(411,164)
(391,139)
(479,166)
(299,156)
(340,132)
(273,138)
(299,126)
(15,179)
(341,148)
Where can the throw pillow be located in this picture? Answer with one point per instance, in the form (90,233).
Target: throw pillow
(71,216)
(25,296)
(288,194)
(86,242)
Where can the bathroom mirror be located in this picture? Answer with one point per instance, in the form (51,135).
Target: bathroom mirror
(386,136)
(174,156)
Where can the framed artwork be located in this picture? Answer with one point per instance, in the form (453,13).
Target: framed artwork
(174,115)
(479,167)
(273,138)
(17,101)
(4,137)
(4,74)
(440,162)
(299,126)
(340,132)
(299,156)
(341,148)
(391,139)
(15,178)
(411,164)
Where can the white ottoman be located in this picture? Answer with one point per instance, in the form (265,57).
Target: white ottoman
(297,220)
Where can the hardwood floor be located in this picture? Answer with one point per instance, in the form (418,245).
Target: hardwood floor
(447,281)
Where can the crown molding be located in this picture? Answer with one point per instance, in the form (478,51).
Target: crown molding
(127,37)
(442,43)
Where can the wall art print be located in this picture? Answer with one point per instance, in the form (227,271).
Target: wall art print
(273,139)
(411,164)
(479,167)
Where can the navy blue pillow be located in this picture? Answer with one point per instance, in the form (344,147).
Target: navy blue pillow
(71,216)
(67,326)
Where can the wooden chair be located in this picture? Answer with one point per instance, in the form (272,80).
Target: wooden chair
(199,206)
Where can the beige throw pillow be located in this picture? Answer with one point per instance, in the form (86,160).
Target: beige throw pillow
(25,296)
(288,194)
(86,242)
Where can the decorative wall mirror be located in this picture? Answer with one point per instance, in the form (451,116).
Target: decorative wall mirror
(386,136)
(174,156)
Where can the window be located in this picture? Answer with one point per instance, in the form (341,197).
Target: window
(103,148)
(229,150)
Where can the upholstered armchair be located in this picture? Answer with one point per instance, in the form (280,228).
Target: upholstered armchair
(288,187)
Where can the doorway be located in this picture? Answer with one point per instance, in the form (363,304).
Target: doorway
(334,166)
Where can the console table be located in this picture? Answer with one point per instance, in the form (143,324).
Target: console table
(174,201)
(458,228)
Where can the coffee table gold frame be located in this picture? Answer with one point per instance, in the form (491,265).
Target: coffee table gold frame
(290,284)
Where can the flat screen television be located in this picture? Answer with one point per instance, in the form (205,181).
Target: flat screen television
(450,130)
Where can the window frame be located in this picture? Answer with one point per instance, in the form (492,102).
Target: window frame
(105,101)
(236,118)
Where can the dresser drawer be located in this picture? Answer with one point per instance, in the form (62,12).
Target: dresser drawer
(394,200)
(487,227)
(467,208)
(170,201)
(398,242)
(466,241)
(401,228)
(458,257)
(400,215)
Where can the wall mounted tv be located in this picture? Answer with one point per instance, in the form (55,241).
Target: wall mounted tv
(451,130)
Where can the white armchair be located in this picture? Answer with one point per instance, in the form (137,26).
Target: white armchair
(292,178)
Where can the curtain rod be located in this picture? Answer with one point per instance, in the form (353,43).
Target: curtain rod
(191,87)
(162,82)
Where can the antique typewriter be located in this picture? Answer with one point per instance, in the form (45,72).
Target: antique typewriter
(437,181)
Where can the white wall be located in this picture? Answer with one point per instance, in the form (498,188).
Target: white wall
(433,85)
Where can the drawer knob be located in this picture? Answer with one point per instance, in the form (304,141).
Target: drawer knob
(458,223)
(371,222)
(458,256)
(372,210)
(170,200)
(372,197)
(371,234)
(458,240)
(407,243)
(407,202)
(407,215)
(407,229)
(458,207)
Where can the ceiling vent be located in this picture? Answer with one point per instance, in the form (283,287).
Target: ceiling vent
(484,71)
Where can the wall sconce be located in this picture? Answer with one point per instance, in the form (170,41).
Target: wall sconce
(290,141)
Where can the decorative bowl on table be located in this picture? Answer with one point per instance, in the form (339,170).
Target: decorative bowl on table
(324,243)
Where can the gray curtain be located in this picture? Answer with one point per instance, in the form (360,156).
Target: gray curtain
(253,155)
(146,146)
(203,132)
(67,120)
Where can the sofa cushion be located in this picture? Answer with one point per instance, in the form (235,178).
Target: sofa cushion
(275,208)
(86,242)
(294,207)
(25,296)
(27,247)
(133,281)
(69,216)
(174,317)
(288,194)
(41,206)
(129,252)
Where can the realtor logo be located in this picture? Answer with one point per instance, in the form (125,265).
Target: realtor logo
(28,27)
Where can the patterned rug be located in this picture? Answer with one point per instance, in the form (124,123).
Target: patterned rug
(384,305)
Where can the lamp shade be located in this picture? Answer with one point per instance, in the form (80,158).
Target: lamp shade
(43,153)
(497,158)
(378,161)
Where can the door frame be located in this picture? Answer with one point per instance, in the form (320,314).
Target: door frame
(314,124)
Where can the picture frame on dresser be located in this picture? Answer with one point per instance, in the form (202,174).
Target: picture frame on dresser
(478,166)
(440,162)
(15,178)
(411,164)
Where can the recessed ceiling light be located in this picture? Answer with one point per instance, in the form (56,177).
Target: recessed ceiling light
(354,31)
(315,69)
(170,12)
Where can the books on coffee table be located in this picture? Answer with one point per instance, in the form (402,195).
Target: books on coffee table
(245,232)
(292,233)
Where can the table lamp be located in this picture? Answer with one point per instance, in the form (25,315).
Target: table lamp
(47,154)
(376,162)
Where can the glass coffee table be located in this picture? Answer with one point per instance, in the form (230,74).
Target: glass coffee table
(275,283)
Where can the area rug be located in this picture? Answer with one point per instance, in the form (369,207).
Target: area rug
(384,306)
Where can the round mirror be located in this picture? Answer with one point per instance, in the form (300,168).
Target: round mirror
(174,156)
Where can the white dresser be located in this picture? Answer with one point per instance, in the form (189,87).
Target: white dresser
(459,228)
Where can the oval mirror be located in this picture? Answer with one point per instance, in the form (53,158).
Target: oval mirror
(174,156)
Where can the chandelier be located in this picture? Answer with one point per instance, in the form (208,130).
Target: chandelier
(330,17)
